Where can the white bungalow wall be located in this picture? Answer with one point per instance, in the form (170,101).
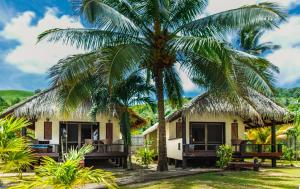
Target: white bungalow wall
(101,119)
(173,151)
(172,144)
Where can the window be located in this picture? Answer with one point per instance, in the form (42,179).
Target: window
(178,130)
(207,136)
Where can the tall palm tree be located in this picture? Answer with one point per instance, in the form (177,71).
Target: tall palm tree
(155,35)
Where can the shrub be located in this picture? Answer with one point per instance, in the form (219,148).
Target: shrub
(15,154)
(288,154)
(145,155)
(224,154)
(68,174)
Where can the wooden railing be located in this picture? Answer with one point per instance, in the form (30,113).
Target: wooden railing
(190,148)
(108,148)
(257,148)
(239,150)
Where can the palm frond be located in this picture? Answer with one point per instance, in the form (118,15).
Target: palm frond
(265,14)
(103,15)
(173,86)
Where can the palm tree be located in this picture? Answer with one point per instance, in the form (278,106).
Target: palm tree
(248,40)
(129,91)
(155,35)
(15,154)
(68,174)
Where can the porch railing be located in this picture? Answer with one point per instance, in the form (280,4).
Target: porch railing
(245,150)
(257,148)
(190,148)
(108,148)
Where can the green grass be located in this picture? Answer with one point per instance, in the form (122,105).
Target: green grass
(267,178)
(10,95)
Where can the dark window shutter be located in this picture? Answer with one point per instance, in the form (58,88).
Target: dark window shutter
(178,130)
(234,131)
(109,131)
(48,130)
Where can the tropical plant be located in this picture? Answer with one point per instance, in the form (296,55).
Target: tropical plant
(3,104)
(248,40)
(288,154)
(157,35)
(145,155)
(15,154)
(263,135)
(129,91)
(224,155)
(68,174)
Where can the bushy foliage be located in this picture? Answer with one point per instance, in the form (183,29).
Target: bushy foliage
(224,154)
(3,104)
(288,154)
(68,174)
(15,154)
(145,155)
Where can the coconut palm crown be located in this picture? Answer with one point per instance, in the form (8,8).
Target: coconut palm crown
(158,35)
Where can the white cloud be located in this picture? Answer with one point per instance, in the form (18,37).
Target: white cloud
(288,57)
(29,56)
(288,60)
(187,84)
(216,6)
(287,35)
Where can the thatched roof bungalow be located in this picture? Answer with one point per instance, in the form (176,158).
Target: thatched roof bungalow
(52,127)
(195,131)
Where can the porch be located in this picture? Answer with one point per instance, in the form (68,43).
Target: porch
(60,137)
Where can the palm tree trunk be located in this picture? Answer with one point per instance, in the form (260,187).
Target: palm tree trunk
(129,166)
(162,149)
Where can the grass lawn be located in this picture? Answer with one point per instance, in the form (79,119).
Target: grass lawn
(266,178)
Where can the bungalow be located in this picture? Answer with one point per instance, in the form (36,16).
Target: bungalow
(194,132)
(54,131)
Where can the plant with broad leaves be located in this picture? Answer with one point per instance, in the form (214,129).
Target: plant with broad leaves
(224,155)
(15,154)
(68,174)
(145,155)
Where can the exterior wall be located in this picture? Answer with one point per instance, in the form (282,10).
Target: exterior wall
(173,151)
(101,119)
(172,144)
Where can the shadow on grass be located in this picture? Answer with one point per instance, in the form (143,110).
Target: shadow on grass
(234,180)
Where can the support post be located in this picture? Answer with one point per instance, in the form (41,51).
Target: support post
(273,141)
(183,127)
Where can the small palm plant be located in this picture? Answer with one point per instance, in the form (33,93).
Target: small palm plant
(15,154)
(68,174)
(145,155)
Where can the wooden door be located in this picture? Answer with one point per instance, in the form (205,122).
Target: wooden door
(109,132)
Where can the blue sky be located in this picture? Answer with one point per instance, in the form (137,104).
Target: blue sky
(24,64)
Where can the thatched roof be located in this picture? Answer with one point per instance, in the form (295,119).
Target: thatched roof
(46,104)
(262,111)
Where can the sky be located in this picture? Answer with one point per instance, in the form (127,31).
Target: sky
(24,63)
